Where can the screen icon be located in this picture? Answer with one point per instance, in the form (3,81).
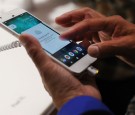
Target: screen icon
(12,26)
(67,57)
(63,60)
(77,58)
(71,54)
(83,54)
(79,49)
(75,51)
(71,62)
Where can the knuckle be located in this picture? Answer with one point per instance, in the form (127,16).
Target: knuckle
(118,17)
(82,27)
(86,21)
(86,9)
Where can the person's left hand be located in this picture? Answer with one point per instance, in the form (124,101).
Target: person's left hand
(60,84)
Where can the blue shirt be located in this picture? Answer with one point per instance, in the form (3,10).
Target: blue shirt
(84,105)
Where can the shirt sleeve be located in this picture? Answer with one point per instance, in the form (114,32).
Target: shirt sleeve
(82,105)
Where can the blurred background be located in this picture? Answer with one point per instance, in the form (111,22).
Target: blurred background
(116,78)
(125,8)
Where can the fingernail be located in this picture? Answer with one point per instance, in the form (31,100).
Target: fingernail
(93,50)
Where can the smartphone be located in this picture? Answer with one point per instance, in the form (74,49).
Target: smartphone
(69,54)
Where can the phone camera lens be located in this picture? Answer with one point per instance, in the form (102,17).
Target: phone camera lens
(13,15)
(0,17)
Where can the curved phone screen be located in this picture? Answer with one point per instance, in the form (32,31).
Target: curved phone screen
(65,51)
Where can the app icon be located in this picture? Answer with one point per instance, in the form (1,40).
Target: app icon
(63,60)
(67,57)
(12,26)
(71,54)
(75,51)
(79,49)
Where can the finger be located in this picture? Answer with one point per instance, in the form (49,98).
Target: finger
(34,50)
(71,17)
(93,25)
(107,48)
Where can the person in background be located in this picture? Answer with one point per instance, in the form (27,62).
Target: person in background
(108,35)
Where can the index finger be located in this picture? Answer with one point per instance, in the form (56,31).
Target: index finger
(71,17)
(93,25)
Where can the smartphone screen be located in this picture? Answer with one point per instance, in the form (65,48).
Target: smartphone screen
(65,51)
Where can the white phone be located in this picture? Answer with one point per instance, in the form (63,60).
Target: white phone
(72,56)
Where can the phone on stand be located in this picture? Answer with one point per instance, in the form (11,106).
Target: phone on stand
(67,53)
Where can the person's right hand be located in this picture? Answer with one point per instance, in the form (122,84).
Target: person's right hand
(73,17)
(122,34)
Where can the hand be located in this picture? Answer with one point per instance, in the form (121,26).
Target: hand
(59,83)
(73,17)
(121,32)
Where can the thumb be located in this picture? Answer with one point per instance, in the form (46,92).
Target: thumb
(106,48)
(34,50)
